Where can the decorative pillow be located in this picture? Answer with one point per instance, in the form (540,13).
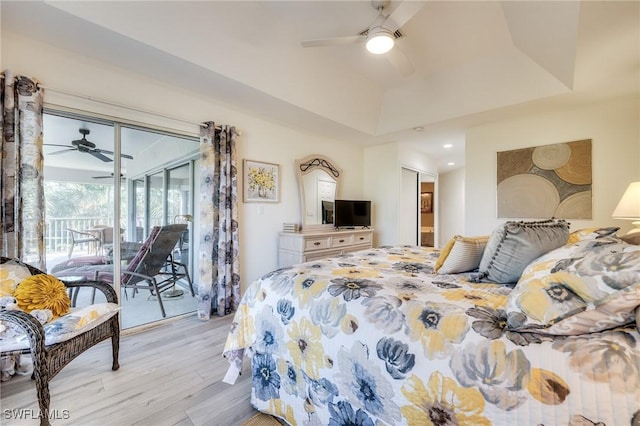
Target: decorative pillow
(461,254)
(11,274)
(591,233)
(638,318)
(582,288)
(43,292)
(513,245)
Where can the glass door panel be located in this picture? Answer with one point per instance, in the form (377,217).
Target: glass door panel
(162,181)
(94,211)
(81,224)
(155,201)
(179,204)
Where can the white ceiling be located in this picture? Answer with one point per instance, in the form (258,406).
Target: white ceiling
(474,61)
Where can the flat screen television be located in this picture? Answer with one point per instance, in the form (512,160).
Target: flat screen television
(351,213)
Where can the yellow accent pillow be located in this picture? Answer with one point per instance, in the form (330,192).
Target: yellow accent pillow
(461,254)
(43,292)
(11,274)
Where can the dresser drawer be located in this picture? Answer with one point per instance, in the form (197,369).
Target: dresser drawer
(317,243)
(342,240)
(364,238)
(298,247)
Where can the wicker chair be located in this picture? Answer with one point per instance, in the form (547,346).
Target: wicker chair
(49,360)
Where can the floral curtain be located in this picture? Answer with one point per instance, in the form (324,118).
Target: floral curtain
(219,285)
(22,211)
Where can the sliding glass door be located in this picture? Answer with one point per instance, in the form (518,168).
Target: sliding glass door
(101,209)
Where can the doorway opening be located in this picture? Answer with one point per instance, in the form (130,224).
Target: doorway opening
(418,208)
(427,215)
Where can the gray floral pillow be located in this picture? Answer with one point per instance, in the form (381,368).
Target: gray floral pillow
(589,286)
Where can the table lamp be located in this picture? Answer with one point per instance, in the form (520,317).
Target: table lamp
(629,206)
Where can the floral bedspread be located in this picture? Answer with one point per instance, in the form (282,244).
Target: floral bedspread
(374,337)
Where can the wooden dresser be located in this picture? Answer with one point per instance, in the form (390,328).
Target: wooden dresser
(302,247)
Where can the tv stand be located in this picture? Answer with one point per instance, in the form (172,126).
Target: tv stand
(294,248)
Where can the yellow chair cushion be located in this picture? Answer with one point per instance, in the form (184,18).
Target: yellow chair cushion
(43,292)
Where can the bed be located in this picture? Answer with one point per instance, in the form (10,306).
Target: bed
(386,336)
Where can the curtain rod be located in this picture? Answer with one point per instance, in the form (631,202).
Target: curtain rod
(117,104)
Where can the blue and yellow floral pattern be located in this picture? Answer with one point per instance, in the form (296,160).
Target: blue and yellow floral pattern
(580,288)
(375,337)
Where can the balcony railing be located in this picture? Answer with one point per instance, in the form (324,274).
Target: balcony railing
(57,238)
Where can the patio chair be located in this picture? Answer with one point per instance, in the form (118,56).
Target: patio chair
(146,270)
(81,237)
(50,358)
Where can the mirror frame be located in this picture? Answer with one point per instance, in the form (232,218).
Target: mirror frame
(307,165)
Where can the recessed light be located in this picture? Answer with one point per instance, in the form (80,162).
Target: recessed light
(451,163)
(448,145)
(418,129)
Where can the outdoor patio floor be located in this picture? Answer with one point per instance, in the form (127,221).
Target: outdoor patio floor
(141,308)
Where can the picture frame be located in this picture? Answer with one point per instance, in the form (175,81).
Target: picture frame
(261,182)
(426,202)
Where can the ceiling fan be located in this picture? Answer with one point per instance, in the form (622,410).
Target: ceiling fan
(381,34)
(83,145)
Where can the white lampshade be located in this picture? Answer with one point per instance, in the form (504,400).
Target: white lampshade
(629,205)
(380,41)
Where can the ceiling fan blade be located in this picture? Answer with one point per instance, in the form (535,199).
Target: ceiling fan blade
(110,176)
(100,156)
(62,151)
(336,41)
(55,144)
(104,151)
(400,61)
(401,15)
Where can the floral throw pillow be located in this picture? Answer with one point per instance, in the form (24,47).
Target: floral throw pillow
(11,274)
(585,287)
(592,233)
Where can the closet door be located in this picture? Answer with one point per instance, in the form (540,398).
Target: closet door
(409,208)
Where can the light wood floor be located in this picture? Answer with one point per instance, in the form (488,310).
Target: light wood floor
(169,375)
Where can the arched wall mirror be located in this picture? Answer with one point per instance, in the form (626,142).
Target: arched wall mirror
(319,181)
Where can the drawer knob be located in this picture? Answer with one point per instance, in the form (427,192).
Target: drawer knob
(361,238)
(341,241)
(316,243)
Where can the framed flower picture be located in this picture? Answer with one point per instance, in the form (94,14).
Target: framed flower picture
(261,182)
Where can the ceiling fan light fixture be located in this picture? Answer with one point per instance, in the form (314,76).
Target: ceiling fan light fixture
(380,41)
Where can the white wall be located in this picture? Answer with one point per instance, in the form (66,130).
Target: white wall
(611,125)
(260,139)
(452,205)
(382,177)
